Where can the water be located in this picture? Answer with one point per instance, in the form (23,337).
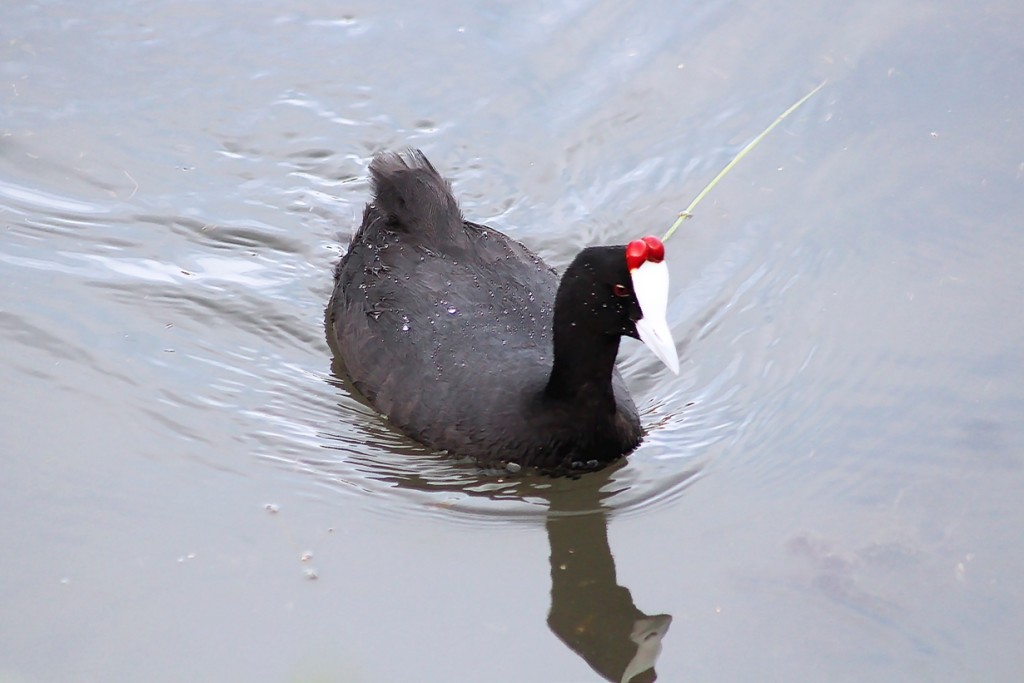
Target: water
(829,489)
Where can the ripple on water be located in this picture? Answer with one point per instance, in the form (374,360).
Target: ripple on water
(224,295)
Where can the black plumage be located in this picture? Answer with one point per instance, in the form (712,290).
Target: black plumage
(467,342)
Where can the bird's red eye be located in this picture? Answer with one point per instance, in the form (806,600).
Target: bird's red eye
(620,290)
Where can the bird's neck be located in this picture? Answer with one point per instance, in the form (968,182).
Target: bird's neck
(583,365)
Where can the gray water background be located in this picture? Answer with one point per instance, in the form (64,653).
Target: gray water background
(830,489)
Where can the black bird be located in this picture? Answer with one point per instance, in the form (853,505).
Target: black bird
(467,342)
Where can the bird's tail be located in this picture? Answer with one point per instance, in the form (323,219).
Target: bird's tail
(411,195)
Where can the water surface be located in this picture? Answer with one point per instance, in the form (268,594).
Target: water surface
(829,490)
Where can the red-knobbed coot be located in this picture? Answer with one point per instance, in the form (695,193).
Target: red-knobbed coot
(467,342)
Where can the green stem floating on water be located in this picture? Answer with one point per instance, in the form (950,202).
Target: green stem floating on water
(688,211)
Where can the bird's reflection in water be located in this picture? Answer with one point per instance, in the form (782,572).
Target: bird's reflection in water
(590,611)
